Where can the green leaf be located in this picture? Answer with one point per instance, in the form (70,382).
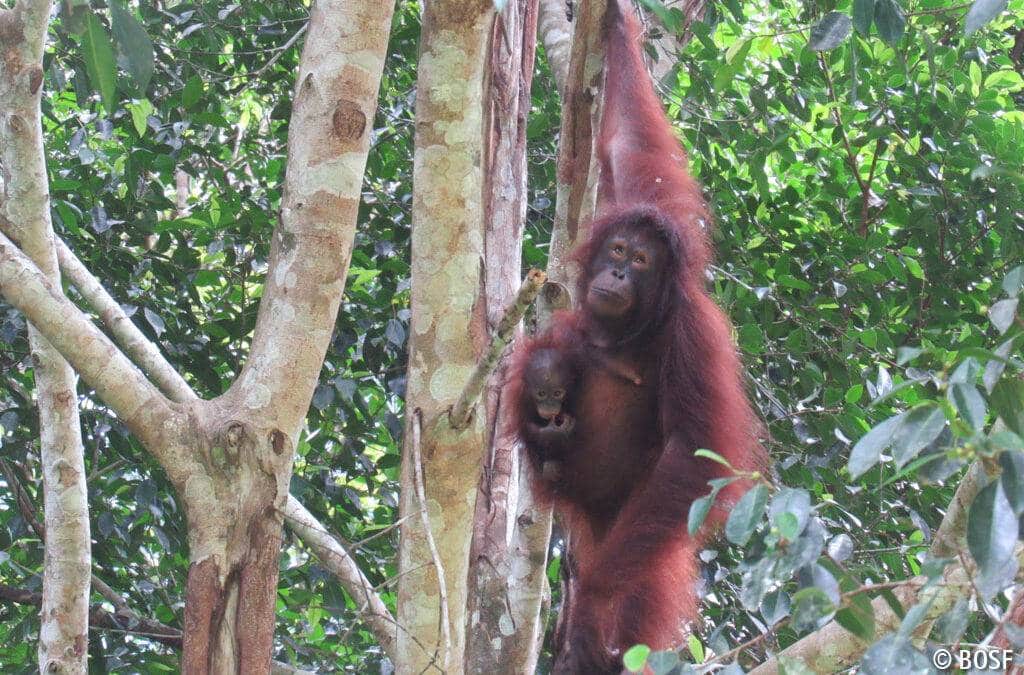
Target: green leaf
(140,112)
(981,12)
(810,606)
(663,663)
(635,658)
(1007,399)
(890,20)
(135,44)
(869,448)
(789,281)
(913,267)
(695,647)
(775,606)
(830,32)
(792,501)
(99,61)
(789,526)
(713,456)
(727,71)
(917,428)
(192,92)
(858,617)
(1007,80)
(969,404)
(1003,313)
(1014,281)
(699,512)
(1012,479)
(991,534)
(863,15)
(894,654)
(746,515)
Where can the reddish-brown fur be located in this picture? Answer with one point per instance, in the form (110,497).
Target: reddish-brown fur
(629,474)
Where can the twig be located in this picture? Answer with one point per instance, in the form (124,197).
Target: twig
(280,52)
(462,411)
(442,589)
(101,618)
(28,513)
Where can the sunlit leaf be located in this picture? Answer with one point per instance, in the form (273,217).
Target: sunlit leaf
(636,657)
(868,449)
(745,516)
(1003,313)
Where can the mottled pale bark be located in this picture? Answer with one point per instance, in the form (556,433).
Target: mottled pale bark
(507,581)
(25,216)
(233,507)
(555,32)
(329,550)
(136,345)
(230,459)
(118,382)
(576,192)
(449,330)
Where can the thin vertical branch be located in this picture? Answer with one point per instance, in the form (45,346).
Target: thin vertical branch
(421,495)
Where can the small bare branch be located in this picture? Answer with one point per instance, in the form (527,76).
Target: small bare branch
(442,588)
(462,411)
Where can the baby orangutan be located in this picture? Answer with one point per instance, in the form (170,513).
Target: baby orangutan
(549,381)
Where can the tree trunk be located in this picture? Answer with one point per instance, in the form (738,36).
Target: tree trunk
(230,459)
(449,333)
(508,584)
(25,216)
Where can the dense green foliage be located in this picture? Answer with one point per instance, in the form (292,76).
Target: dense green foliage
(870,221)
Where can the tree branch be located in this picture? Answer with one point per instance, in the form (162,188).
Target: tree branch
(134,342)
(328,140)
(25,214)
(442,588)
(556,36)
(117,380)
(101,618)
(461,412)
(334,556)
(151,629)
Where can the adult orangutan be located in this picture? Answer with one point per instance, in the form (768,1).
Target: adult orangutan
(646,374)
